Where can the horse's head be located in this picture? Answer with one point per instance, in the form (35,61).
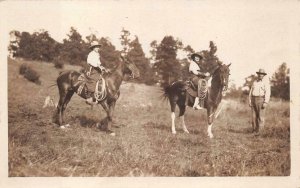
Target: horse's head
(130,68)
(224,73)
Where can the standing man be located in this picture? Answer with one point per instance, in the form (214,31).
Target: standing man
(196,68)
(94,71)
(259,97)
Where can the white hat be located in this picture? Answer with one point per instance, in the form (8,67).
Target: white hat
(95,44)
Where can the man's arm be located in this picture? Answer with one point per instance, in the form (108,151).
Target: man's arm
(203,74)
(250,96)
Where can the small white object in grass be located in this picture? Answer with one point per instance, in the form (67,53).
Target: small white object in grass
(49,102)
(112,134)
(67,125)
(62,127)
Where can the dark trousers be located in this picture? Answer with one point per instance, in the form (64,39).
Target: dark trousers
(92,81)
(258,113)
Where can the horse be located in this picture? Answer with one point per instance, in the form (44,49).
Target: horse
(178,95)
(67,83)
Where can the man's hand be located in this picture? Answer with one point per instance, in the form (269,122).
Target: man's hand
(102,69)
(207,74)
(264,105)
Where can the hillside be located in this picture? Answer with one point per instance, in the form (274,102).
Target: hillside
(143,145)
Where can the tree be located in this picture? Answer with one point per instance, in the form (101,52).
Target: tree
(166,65)
(74,49)
(13,47)
(109,56)
(211,60)
(137,55)
(125,41)
(153,50)
(37,46)
(280,82)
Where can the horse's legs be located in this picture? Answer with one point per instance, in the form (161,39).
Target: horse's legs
(173,106)
(67,99)
(181,115)
(107,121)
(210,119)
(59,107)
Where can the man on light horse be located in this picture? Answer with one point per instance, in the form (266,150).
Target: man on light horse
(94,71)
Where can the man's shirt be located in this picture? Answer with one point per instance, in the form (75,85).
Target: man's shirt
(194,68)
(261,88)
(94,59)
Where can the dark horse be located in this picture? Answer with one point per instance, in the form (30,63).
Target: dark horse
(67,83)
(177,95)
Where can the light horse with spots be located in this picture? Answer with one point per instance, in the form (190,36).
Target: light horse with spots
(109,91)
(178,95)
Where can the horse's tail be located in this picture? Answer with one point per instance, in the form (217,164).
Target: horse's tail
(166,92)
(173,89)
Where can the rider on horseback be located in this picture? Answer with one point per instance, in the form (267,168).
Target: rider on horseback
(197,69)
(94,70)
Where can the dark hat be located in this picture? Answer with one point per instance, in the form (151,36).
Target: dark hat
(95,44)
(196,55)
(261,71)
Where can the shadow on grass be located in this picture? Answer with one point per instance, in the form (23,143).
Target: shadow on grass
(167,128)
(152,125)
(275,132)
(86,121)
(247,130)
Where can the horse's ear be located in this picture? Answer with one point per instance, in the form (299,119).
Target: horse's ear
(229,65)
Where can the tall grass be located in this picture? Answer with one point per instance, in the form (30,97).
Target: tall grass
(143,145)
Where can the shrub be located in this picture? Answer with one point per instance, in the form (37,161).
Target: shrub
(29,73)
(58,63)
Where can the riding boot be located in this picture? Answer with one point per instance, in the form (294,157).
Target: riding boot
(91,101)
(196,104)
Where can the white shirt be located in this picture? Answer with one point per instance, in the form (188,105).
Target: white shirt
(194,68)
(94,59)
(261,88)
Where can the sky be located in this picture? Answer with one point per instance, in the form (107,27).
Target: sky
(250,35)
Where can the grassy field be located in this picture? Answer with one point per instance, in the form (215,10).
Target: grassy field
(143,145)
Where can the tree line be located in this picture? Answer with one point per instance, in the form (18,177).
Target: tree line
(163,67)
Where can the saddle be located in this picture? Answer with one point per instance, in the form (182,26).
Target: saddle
(199,90)
(88,87)
(194,91)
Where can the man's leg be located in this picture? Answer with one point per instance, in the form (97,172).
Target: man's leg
(195,81)
(91,85)
(254,115)
(261,116)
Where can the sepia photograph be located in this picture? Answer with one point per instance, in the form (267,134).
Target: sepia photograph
(150,93)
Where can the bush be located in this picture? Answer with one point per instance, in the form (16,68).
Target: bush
(29,73)
(58,63)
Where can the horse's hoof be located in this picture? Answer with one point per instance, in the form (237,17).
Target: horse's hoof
(211,136)
(186,131)
(174,132)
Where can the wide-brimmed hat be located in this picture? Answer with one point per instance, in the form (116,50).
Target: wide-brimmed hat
(95,44)
(261,71)
(194,55)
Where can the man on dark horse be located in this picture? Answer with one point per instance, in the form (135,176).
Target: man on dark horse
(94,71)
(199,79)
